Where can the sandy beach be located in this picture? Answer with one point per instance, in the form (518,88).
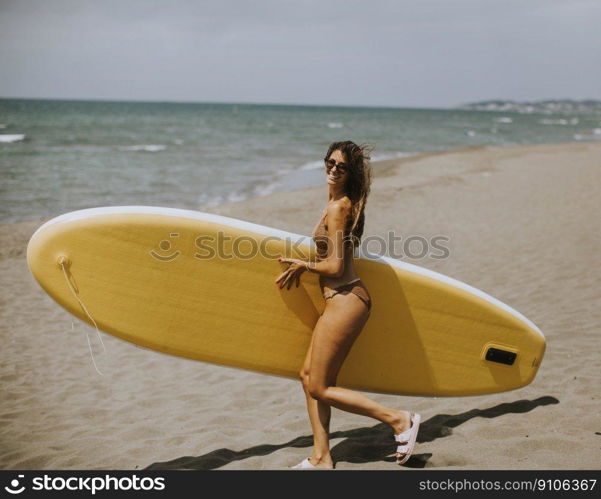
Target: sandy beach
(523,225)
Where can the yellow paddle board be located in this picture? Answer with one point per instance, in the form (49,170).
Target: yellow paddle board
(202,286)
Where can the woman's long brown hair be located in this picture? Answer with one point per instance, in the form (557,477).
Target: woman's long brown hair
(358,183)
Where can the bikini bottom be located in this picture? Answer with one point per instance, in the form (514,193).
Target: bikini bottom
(356,287)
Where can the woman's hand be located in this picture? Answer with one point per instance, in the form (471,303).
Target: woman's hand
(292,273)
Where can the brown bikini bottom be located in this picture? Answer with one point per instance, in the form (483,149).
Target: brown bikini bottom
(356,287)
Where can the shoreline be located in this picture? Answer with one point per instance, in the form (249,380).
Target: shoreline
(521,222)
(380,168)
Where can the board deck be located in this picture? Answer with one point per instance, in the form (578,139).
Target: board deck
(146,275)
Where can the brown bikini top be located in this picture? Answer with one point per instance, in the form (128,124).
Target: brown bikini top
(321,238)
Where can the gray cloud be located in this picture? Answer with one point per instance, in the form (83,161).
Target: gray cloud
(398,53)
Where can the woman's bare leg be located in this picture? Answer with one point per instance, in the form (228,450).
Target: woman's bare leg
(334,334)
(319,415)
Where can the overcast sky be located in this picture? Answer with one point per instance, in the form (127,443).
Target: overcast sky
(413,53)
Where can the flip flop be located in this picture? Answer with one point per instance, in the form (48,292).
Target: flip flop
(305,463)
(406,440)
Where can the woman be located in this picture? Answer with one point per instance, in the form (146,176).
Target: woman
(347,307)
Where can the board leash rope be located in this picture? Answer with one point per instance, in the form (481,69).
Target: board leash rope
(62,261)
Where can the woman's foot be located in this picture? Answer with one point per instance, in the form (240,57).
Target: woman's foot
(316,461)
(400,424)
(406,438)
(324,462)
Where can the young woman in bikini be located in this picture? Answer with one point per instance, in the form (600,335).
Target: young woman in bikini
(347,307)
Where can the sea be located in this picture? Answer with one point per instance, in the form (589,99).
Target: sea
(60,156)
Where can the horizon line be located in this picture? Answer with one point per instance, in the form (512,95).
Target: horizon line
(457,107)
(237,103)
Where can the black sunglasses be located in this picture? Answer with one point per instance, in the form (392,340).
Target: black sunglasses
(330,163)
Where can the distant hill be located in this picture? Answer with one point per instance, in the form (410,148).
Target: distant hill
(559,106)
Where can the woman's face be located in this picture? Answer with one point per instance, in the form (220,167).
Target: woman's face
(336,168)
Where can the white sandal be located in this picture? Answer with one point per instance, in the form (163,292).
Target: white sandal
(406,440)
(305,463)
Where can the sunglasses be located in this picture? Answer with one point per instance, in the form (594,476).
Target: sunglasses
(341,167)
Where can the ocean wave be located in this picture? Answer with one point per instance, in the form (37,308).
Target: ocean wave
(313,165)
(560,121)
(265,189)
(564,106)
(504,119)
(12,138)
(218,199)
(396,155)
(595,135)
(259,190)
(144,148)
(2,125)
(335,124)
(86,148)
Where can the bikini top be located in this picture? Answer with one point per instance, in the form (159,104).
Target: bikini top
(321,238)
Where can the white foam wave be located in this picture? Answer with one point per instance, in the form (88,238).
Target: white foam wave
(12,138)
(144,148)
(266,189)
(595,135)
(553,122)
(395,155)
(504,119)
(335,124)
(218,199)
(313,165)
(559,121)
(257,191)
